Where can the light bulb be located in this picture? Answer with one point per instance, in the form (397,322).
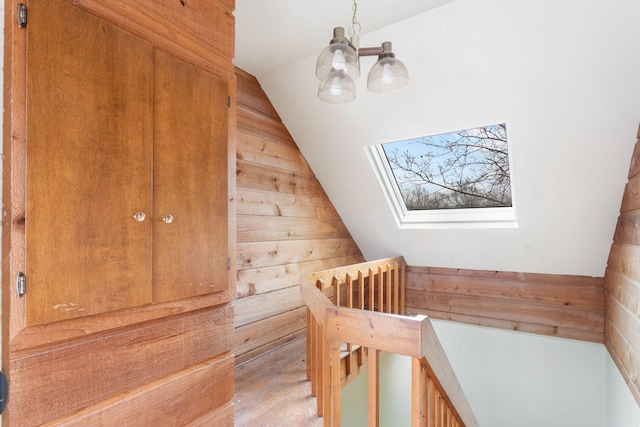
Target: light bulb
(338,61)
(336,87)
(387,74)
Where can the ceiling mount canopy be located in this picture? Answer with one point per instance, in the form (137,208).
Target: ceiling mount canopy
(338,66)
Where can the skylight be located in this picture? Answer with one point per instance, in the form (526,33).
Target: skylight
(456,179)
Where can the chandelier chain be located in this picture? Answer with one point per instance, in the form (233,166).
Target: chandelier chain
(355,27)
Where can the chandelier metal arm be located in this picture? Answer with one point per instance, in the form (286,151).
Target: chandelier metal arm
(370,51)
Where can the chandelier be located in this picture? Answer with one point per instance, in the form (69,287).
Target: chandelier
(338,66)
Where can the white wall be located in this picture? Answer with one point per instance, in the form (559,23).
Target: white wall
(521,380)
(512,379)
(622,409)
(395,394)
(562,73)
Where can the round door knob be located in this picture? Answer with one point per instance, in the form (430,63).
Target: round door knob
(168,219)
(139,216)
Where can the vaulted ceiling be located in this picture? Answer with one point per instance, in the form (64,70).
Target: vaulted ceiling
(562,74)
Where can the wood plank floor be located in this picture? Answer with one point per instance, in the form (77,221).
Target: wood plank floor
(272,390)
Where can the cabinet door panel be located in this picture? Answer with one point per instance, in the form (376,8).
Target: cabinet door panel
(89,94)
(190,180)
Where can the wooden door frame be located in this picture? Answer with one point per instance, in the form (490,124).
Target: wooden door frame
(14,172)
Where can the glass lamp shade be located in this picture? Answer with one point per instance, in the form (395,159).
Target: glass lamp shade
(337,88)
(339,57)
(387,75)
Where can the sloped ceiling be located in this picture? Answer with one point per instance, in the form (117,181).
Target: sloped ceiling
(564,75)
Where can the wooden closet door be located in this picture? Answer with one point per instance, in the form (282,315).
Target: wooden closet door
(190,234)
(89,115)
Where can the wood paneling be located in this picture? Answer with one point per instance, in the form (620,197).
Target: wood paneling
(260,307)
(257,281)
(270,179)
(286,227)
(154,364)
(253,202)
(289,228)
(622,283)
(200,31)
(90,120)
(269,254)
(205,388)
(128,359)
(556,305)
(253,99)
(256,338)
(190,137)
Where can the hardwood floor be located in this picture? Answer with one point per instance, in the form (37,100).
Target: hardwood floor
(272,390)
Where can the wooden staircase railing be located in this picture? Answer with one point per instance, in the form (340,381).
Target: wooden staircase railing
(370,293)
(375,286)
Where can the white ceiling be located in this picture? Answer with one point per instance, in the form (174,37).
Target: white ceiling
(273,33)
(563,75)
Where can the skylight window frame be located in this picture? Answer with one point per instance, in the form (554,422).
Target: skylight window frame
(478,218)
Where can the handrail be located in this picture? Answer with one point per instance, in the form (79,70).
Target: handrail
(437,397)
(375,285)
(435,360)
(386,295)
(404,335)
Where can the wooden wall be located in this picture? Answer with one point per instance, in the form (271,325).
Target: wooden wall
(286,227)
(622,284)
(555,305)
(162,364)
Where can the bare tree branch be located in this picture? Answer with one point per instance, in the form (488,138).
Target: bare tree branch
(468,168)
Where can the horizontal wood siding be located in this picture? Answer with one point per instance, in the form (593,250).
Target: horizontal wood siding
(286,227)
(622,283)
(125,360)
(206,388)
(556,305)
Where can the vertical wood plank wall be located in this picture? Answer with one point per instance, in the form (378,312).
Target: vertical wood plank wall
(286,227)
(622,284)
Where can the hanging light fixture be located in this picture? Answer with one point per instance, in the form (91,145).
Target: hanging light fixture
(338,66)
